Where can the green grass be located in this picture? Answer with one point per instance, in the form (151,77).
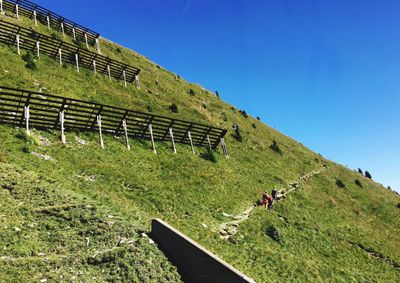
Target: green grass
(58,204)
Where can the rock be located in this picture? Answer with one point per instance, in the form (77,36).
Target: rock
(91,178)
(80,141)
(204,225)
(44,141)
(17,229)
(43,156)
(36,83)
(43,280)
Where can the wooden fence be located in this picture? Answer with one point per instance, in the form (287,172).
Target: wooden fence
(64,52)
(44,112)
(47,17)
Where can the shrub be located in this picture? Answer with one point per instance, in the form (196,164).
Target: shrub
(118,50)
(244,114)
(223,116)
(340,184)
(55,36)
(191,92)
(174,108)
(80,42)
(209,155)
(237,135)
(149,108)
(258,118)
(26,149)
(29,58)
(254,126)
(360,171)
(358,183)
(217,93)
(273,233)
(275,147)
(368,175)
(398,205)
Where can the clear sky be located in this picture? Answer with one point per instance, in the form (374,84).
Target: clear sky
(326,73)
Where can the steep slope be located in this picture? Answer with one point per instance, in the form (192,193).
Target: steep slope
(85,209)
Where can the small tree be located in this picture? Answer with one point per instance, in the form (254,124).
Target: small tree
(217,93)
(29,58)
(275,147)
(360,171)
(237,135)
(340,184)
(368,175)
(174,108)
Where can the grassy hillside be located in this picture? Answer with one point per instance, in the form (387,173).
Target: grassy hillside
(80,216)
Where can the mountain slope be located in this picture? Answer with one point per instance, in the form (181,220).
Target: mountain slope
(86,202)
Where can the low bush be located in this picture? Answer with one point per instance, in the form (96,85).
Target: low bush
(358,183)
(236,133)
(273,233)
(368,175)
(209,155)
(360,171)
(275,147)
(149,108)
(340,184)
(174,108)
(254,126)
(191,92)
(244,114)
(30,61)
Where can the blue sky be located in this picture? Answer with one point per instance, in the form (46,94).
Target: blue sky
(326,73)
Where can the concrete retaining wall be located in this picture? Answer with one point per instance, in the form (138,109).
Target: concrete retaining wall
(194,263)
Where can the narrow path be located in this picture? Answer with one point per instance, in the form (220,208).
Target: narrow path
(229,229)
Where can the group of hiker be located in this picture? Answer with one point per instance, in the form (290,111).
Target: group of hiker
(267,200)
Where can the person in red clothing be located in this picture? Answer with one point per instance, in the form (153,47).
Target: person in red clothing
(266,200)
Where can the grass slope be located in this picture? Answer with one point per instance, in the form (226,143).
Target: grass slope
(51,209)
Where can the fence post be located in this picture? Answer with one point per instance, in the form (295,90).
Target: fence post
(126,134)
(86,40)
(77,62)
(73,34)
(109,71)
(48,21)
(28,132)
(172,139)
(94,67)
(60,55)
(62,29)
(98,46)
(100,133)
(137,81)
(224,148)
(124,74)
(17,10)
(38,48)
(191,142)
(62,120)
(209,142)
(35,17)
(1,7)
(152,138)
(17,39)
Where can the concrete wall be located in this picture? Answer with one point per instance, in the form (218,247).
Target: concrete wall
(194,263)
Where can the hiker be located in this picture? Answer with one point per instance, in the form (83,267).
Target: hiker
(266,200)
(273,194)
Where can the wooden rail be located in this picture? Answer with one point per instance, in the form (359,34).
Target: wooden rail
(56,48)
(44,110)
(28,9)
